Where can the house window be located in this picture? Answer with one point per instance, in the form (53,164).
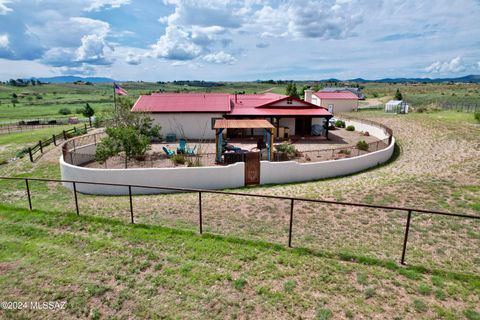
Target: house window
(330,108)
(289,101)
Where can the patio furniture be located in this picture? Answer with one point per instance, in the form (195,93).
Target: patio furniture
(169,152)
(182,146)
(191,151)
(171,137)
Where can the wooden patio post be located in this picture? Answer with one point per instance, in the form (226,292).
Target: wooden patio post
(271,145)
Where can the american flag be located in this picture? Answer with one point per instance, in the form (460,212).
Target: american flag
(119,90)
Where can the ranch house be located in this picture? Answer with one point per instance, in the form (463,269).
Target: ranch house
(192,115)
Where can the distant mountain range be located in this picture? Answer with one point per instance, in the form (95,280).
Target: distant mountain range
(67,79)
(469,79)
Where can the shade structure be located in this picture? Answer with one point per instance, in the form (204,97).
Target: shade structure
(242,124)
(222,124)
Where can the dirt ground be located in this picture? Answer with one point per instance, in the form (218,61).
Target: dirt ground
(312,149)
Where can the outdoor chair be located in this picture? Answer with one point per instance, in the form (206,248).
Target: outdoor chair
(182,146)
(169,152)
(191,151)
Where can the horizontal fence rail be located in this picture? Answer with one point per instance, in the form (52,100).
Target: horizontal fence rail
(292,200)
(56,138)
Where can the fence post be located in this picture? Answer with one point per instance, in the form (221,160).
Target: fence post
(131,203)
(64,135)
(28,194)
(95,138)
(76,200)
(200,212)
(85,128)
(54,140)
(407,228)
(41,147)
(75,130)
(30,154)
(291,225)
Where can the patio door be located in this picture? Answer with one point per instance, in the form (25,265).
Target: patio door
(303,126)
(252,168)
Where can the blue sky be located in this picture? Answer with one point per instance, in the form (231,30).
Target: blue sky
(239,40)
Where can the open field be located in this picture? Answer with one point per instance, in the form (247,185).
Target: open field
(45,101)
(102,266)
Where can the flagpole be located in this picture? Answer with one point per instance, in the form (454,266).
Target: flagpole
(114,98)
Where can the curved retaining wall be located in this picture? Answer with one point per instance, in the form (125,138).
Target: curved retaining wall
(292,171)
(217,177)
(223,177)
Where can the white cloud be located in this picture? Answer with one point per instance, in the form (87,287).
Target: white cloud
(133,59)
(176,44)
(4,40)
(83,69)
(94,49)
(96,5)
(220,58)
(61,32)
(453,66)
(3,8)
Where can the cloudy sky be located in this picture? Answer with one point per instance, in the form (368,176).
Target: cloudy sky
(239,40)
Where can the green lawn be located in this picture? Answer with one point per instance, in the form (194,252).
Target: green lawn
(104,268)
(10,144)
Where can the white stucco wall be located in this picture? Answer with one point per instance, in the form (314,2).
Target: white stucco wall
(193,125)
(292,171)
(377,132)
(217,177)
(340,105)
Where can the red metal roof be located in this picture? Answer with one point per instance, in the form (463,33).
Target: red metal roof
(230,104)
(336,95)
(183,102)
(296,111)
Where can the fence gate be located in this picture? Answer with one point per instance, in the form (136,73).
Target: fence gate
(252,168)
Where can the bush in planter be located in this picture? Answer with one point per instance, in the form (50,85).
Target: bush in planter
(340,124)
(286,150)
(362,145)
(345,151)
(178,159)
(350,128)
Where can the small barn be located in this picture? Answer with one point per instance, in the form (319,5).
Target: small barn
(335,102)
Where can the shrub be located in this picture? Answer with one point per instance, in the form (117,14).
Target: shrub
(178,159)
(350,128)
(362,145)
(344,151)
(79,110)
(286,147)
(477,116)
(64,111)
(340,124)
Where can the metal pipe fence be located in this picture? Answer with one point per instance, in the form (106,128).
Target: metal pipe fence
(293,200)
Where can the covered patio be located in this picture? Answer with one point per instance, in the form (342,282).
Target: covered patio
(223,124)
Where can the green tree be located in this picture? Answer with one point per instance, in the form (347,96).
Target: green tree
(88,112)
(127,140)
(398,95)
(291,90)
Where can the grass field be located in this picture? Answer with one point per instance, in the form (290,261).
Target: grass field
(345,264)
(45,101)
